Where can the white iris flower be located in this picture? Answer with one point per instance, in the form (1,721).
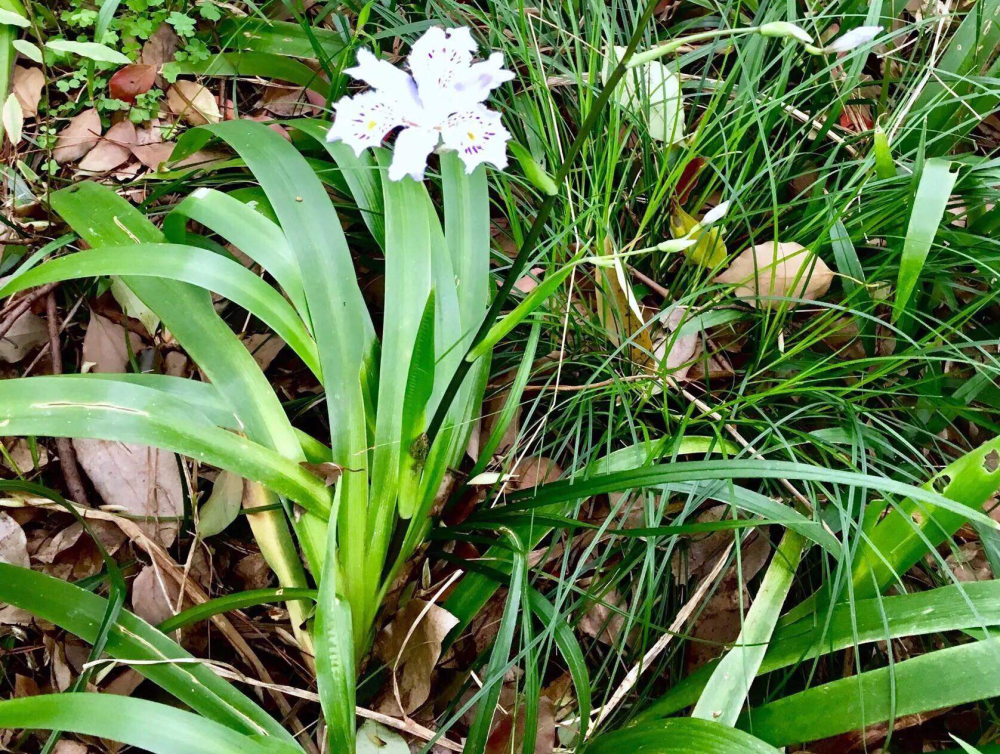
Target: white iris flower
(441,102)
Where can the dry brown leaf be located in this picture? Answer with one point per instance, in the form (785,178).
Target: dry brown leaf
(70,747)
(719,623)
(507,735)
(28,331)
(78,137)
(59,670)
(141,480)
(677,353)
(264,347)
(773,270)
(13,543)
(193,102)
(104,345)
(411,649)
(113,150)
(604,620)
(970,563)
(534,471)
(25,686)
(24,460)
(253,571)
(152,155)
(160,48)
(27,87)
(154,596)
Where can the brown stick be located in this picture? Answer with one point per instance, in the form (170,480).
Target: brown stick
(14,312)
(67,456)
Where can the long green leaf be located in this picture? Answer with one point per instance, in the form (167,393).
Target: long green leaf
(929,205)
(950,608)
(150,726)
(683,736)
(942,678)
(186,264)
(727,689)
(162,661)
(249,63)
(117,411)
(247,229)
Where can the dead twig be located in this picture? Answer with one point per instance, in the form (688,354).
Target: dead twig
(67,455)
(13,312)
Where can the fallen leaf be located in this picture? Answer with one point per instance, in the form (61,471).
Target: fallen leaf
(141,480)
(28,331)
(970,563)
(23,459)
(104,345)
(27,87)
(290,102)
(264,347)
(13,543)
(507,735)
(132,80)
(411,649)
(775,270)
(153,155)
(194,103)
(60,672)
(375,738)
(604,619)
(328,471)
(160,48)
(154,596)
(77,137)
(222,506)
(25,686)
(677,350)
(70,747)
(253,571)
(113,150)
(534,471)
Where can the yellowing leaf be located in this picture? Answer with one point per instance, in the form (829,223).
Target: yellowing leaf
(194,103)
(618,309)
(772,271)
(13,119)
(709,251)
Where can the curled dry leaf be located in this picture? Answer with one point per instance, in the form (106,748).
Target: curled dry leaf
(13,542)
(112,151)
(411,646)
(618,309)
(78,137)
(154,596)
(70,747)
(676,351)
(264,347)
(771,271)
(27,87)
(106,345)
(534,471)
(132,80)
(23,459)
(193,103)
(143,481)
(604,619)
(508,731)
(28,331)
(160,48)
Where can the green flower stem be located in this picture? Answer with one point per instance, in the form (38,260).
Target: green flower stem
(531,240)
